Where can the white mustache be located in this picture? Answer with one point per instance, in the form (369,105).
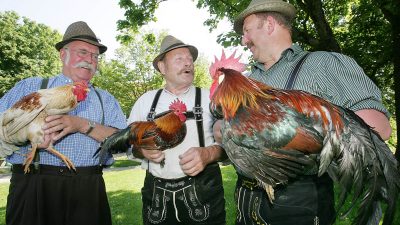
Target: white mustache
(85,65)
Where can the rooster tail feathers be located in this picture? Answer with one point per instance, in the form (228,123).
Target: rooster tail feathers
(116,143)
(391,177)
(362,162)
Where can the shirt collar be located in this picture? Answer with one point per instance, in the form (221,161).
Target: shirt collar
(66,80)
(183,93)
(289,54)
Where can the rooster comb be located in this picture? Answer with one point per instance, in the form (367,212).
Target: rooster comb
(228,63)
(178,105)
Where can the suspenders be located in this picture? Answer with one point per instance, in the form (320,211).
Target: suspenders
(196,114)
(295,72)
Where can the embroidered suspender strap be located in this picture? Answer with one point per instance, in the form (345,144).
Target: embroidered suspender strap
(295,72)
(198,115)
(150,116)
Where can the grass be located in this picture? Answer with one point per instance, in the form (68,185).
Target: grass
(123,189)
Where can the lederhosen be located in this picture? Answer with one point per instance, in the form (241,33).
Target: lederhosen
(187,200)
(51,195)
(308,200)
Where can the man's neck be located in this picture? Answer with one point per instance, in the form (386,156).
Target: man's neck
(177,90)
(274,58)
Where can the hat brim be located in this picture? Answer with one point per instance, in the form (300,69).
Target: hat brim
(284,8)
(102,48)
(193,51)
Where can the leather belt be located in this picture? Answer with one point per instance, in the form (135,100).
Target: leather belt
(57,170)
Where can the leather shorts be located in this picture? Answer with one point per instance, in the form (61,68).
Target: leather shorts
(187,200)
(306,201)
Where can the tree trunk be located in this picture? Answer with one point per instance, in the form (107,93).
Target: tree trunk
(390,9)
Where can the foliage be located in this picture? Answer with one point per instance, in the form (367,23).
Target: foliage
(26,49)
(366,30)
(132,73)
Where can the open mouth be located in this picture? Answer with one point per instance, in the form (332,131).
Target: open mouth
(188,71)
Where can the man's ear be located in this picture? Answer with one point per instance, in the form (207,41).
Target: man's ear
(270,24)
(161,66)
(63,55)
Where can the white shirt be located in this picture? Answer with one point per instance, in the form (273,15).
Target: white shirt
(140,110)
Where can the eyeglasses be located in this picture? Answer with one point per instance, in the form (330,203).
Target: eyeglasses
(84,53)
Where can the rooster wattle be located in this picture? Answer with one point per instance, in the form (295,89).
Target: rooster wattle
(275,135)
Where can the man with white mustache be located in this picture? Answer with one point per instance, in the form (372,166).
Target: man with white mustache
(51,194)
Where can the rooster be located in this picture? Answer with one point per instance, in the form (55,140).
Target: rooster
(167,130)
(275,135)
(23,122)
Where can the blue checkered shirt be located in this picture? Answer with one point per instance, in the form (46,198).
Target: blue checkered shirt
(76,146)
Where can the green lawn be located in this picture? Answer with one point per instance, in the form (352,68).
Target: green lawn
(123,188)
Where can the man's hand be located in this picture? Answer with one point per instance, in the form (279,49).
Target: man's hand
(63,124)
(47,140)
(194,160)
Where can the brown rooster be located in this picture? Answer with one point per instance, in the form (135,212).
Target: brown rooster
(274,135)
(23,122)
(166,131)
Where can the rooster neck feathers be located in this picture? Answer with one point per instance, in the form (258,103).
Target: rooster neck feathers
(169,123)
(231,99)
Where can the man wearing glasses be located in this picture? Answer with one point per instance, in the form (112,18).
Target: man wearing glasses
(51,194)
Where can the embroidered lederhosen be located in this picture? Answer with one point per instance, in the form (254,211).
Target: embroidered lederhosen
(187,200)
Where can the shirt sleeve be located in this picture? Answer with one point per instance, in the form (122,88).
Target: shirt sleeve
(114,117)
(344,83)
(139,109)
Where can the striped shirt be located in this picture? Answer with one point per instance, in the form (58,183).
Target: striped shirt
(76,146)
(332,76)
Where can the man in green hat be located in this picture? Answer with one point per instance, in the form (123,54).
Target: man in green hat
(51,194)
(265,26)
(187,187)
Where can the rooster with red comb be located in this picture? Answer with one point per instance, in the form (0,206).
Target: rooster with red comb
(276,136)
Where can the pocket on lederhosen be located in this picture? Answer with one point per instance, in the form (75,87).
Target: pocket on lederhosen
(162,195)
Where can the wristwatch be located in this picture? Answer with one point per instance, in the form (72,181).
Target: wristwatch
(92,124)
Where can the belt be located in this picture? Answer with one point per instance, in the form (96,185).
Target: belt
(57,170)
(252,184)
(248,182)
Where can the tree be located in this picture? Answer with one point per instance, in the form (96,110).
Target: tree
(132,73)
(26,49)
(367,30)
